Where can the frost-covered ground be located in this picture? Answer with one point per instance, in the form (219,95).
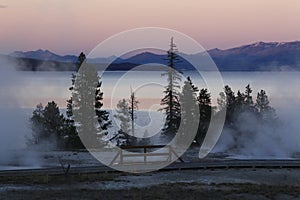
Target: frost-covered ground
(47,159)
(25,159)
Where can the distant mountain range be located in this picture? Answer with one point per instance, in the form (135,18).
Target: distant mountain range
(44,55)
(259,56)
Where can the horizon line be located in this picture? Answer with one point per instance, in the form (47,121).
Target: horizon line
(142,51)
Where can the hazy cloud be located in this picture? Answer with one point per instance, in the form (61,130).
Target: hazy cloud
(3,6)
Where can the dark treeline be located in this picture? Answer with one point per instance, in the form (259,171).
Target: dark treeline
(180,100)
(50,126)
(245,116)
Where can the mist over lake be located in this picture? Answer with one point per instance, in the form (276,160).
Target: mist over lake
(34,87)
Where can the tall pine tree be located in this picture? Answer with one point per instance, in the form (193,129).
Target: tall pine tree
(170,102)
(92,121)
(133,107)
(73,139)
(204,102)
(188,102)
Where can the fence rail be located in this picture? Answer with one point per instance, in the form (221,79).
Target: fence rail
(123,154)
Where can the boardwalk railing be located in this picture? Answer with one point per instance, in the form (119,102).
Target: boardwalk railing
(144,155)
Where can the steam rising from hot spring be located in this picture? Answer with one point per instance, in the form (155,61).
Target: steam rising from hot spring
(262,140)
(13,119)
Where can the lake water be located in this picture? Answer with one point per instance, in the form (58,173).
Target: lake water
(30,88)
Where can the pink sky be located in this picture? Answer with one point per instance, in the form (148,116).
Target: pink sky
(71,26)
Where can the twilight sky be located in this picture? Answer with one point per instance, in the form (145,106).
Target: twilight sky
(72,26)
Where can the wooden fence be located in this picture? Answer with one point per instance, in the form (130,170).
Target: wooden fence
(143,154)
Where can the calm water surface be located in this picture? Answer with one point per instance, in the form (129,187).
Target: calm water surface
(34,87)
